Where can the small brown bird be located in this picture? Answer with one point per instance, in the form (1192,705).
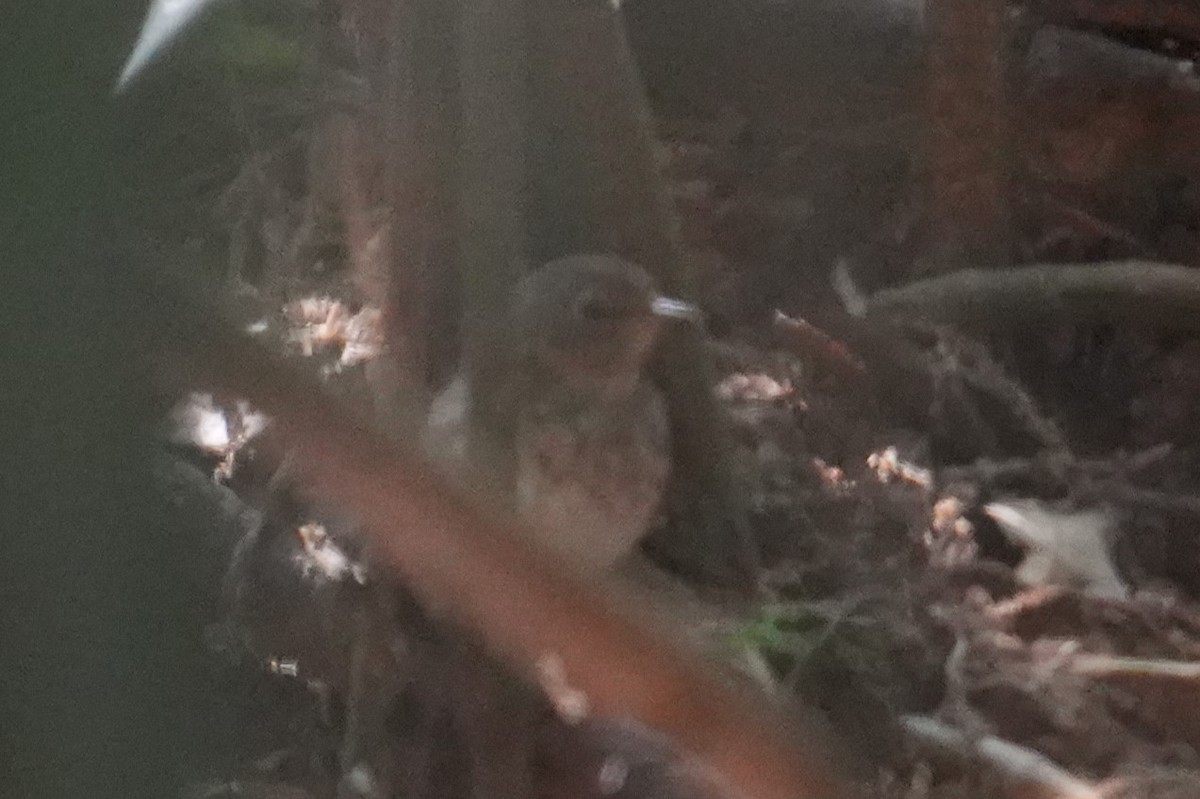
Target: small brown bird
(591,441)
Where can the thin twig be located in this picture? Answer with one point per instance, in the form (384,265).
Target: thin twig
(979,370)
(809,341)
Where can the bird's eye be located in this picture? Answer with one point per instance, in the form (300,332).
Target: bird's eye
(597,307)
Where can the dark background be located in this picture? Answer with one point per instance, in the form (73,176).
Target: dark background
(95,646)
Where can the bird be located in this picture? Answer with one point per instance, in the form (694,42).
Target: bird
(591,442)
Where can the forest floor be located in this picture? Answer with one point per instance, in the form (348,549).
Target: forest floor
(979,550)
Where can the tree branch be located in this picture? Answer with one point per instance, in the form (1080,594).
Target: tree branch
(1138,292)
(528,607)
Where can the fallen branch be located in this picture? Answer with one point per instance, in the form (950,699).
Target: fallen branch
(1029,774)
(1141,292)
(1177,18)
(527,607)
(1111,666)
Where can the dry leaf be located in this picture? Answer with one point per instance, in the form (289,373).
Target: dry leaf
(1063,547)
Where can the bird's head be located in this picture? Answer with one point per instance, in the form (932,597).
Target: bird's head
(592,320)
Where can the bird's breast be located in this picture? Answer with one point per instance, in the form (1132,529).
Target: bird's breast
(591,477)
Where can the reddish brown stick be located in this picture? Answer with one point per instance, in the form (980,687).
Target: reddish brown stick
(528,608)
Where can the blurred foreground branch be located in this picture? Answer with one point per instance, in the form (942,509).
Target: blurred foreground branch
(529,609)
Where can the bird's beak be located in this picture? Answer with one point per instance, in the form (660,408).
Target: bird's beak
(676,309)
